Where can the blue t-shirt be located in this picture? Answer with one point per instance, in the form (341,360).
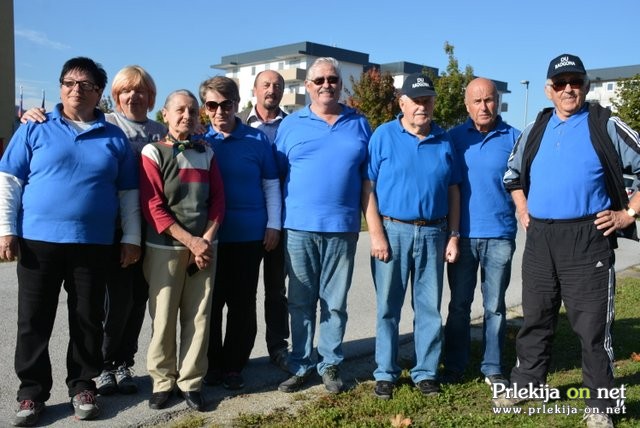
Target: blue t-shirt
(567,178)
(412,177)
(324,166)
(245,158)
(486,208)
(70,180)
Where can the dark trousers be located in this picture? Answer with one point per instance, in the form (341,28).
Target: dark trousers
(235,286)
(43,267)
(125,309)
(276,312)
(570,262)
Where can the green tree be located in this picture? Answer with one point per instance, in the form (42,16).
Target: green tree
(375,96)
(159,117)
(450,109)
(106,104)
(627,101)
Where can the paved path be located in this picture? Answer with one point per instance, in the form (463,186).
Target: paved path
(260,376)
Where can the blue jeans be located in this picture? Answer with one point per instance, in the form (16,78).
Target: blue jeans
(493,256)
(320,267)
(417,255)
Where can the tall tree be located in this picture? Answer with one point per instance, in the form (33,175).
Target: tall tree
(627,101)
(375,96)
(450,109)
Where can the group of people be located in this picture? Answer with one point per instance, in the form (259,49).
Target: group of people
(288,190)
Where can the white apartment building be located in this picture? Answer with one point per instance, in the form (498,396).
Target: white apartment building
(604,83)
(292,60)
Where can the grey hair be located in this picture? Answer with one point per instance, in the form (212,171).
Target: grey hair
(184,92)
(324,60)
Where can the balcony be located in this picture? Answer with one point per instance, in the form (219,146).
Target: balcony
(293,74)
(293,100)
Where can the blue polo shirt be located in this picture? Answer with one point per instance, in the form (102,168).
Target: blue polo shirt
(486,208)
(412,176)
(324,166)
(245,158)
(567,178)
(70,180)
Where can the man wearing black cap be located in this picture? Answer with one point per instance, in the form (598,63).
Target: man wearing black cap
(412,206)
(565,177)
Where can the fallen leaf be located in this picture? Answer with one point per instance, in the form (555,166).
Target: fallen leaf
(400,421)
(635,357)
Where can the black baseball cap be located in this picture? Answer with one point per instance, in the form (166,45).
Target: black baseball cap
(565,63)
(418,85)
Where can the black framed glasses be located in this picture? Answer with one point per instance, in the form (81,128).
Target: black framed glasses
(320,80)
(85,85)
(225,105)
(559,85)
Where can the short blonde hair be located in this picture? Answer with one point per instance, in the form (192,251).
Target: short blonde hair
(133,76)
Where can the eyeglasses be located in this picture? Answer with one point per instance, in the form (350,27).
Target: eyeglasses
(85,85)
(559,85)
(320,80)
(225,105)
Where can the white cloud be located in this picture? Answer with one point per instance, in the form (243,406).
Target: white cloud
(40,39)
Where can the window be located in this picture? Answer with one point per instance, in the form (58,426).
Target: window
(253,70)
(609,86)
(281,65)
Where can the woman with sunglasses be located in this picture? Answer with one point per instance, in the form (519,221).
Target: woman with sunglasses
(252,225)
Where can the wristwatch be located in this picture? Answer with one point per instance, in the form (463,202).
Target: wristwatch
(632,213)
(454,234)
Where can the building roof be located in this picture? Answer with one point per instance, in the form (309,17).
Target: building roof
(403,67)
(613,73)
(293,50)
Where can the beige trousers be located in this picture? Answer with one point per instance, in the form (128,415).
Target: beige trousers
(171,292)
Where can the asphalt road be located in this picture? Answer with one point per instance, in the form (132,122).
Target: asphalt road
(260,375)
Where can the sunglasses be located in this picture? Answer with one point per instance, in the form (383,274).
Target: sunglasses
(320,80)
(559,85)
(225,105)
(85,85)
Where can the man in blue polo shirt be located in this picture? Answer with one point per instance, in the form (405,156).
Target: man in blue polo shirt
(322,152)
(487,234)
(565,177)
(412,208)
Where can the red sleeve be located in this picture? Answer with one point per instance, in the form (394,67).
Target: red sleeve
(216,193)
(152,200)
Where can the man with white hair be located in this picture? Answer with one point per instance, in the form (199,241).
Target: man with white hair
(322,152)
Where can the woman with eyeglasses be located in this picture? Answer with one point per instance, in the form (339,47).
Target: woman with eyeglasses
(134,93)
(62,185)
(182,199)
(252,225)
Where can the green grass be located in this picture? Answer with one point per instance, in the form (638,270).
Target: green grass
(469,404)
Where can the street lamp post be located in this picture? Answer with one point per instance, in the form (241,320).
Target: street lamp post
(526,100)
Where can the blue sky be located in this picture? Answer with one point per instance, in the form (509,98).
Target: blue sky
(178,41)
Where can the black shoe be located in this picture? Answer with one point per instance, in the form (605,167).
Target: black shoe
(383,389)
(428,387)
(495,379)
(28,413)
(332,380)
(193,399)
(293,384)
(280,358)
(158,400)
(232,380)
